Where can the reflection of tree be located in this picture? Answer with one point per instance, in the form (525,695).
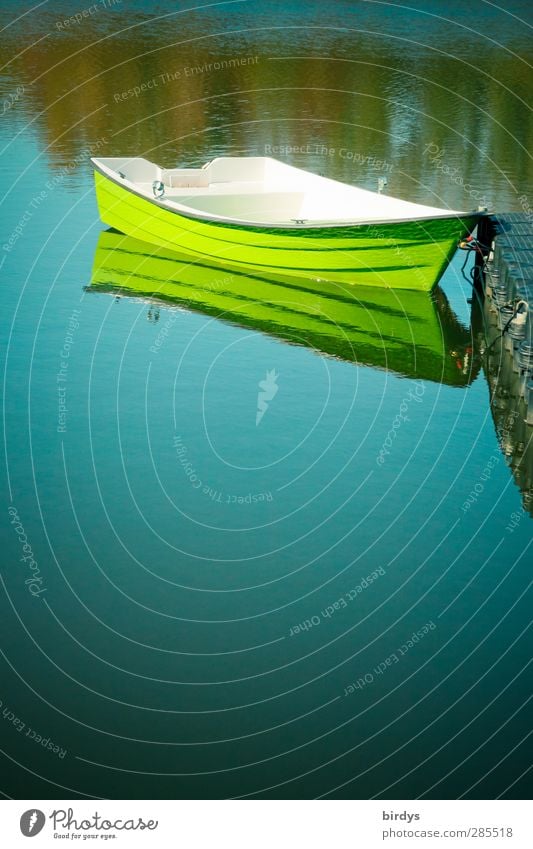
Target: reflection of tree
(367,86)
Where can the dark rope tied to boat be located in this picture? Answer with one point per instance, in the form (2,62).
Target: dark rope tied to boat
(470,244)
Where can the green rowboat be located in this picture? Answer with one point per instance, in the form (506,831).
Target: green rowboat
(257,215)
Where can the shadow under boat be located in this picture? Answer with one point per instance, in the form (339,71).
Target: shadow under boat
(414,334)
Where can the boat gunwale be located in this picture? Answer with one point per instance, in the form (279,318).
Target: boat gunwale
(219,220)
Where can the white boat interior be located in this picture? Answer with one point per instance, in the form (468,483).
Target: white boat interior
(261,190)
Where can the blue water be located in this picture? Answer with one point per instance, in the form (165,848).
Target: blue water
(184,635)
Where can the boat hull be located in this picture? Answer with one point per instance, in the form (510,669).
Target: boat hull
(404,255)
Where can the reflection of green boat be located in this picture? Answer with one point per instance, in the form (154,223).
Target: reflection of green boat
(412,333)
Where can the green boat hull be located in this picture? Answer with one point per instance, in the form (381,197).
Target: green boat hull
(412,333)
(406,255)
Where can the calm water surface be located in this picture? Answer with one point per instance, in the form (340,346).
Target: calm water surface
(224,605)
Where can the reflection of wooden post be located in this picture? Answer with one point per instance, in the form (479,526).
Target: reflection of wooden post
(529,399)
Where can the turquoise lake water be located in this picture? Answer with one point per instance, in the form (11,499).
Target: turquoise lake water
(234,607)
